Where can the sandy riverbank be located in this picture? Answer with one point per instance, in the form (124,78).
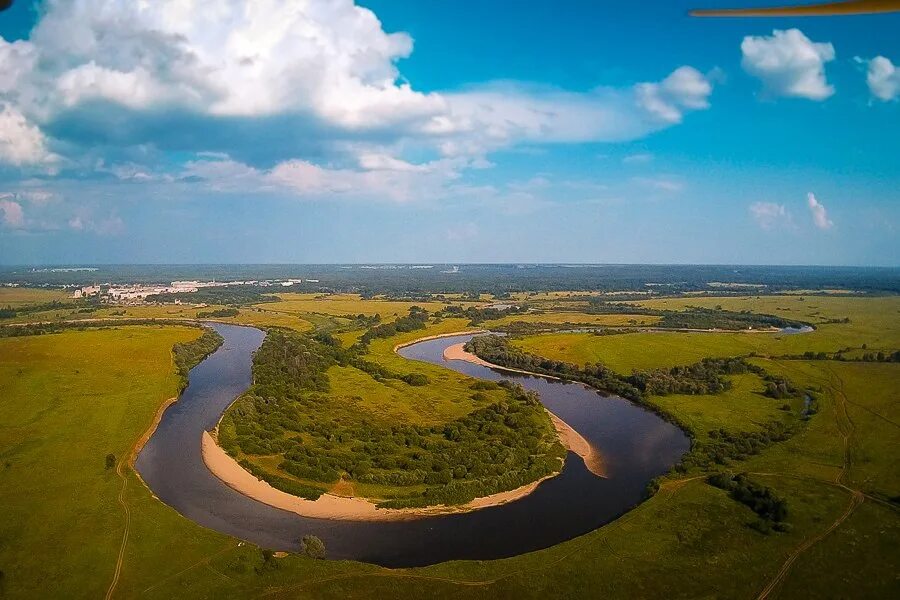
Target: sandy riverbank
(329,506)
(570,438)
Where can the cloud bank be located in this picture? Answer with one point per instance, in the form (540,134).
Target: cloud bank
(283,86)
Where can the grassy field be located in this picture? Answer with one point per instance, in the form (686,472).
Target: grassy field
(63,407)
(872,321)
(245,316)
(19,296)
(61,525)
(576,318)
(742,408)
(344,304)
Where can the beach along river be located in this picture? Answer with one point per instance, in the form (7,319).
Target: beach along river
(636,446)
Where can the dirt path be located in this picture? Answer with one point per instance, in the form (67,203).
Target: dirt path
(846,429)
(121,557)
(128,462)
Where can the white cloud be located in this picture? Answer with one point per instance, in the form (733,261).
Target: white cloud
(789,64)
(13,216)
(685,89)
(883,78)
(21,143)
(819,214)
(487,117)
(266,82)
(768,215)
(380,179)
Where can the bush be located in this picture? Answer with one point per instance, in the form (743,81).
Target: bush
(110,461)
(312,546)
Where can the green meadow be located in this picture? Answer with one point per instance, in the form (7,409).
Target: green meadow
(65,405)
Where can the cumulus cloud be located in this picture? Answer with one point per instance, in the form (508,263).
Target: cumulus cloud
(768,215)
(789,64)
(685,89)
(883,78)
(21,143)
(13,216)
(269,82)
(819,214)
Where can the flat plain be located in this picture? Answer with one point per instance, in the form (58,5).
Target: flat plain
(65,406)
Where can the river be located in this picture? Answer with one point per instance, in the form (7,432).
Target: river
(635,443)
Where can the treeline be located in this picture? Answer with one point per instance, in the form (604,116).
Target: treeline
(496,350)
(416,319)
(49,328)
(86,305)
(890,356)
(289,412)
(477,315)
(693,317)
(707,318)
(189,354)
(489,278)
(238,295)
(218,313)
(724,446)
(771,509)
(705,377)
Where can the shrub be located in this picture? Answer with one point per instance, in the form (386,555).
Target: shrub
(312,546)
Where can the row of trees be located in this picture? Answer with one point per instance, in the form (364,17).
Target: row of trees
(705,377)
(694,317)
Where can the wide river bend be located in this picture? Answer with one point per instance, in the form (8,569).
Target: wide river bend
(636,446)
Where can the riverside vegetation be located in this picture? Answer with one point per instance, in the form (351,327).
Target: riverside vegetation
(292,430)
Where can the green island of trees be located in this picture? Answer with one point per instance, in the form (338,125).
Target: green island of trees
(292,431)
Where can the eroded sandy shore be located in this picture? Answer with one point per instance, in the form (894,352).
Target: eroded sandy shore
(570,438)
(329,506)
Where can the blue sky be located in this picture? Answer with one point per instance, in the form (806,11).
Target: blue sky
(463,131)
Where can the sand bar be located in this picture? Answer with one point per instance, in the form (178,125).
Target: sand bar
(329,506)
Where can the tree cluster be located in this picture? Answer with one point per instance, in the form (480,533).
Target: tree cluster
(770,508)
(289,413)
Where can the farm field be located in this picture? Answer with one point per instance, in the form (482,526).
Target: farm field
(20,296)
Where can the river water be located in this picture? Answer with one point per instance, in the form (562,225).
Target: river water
(636,446)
